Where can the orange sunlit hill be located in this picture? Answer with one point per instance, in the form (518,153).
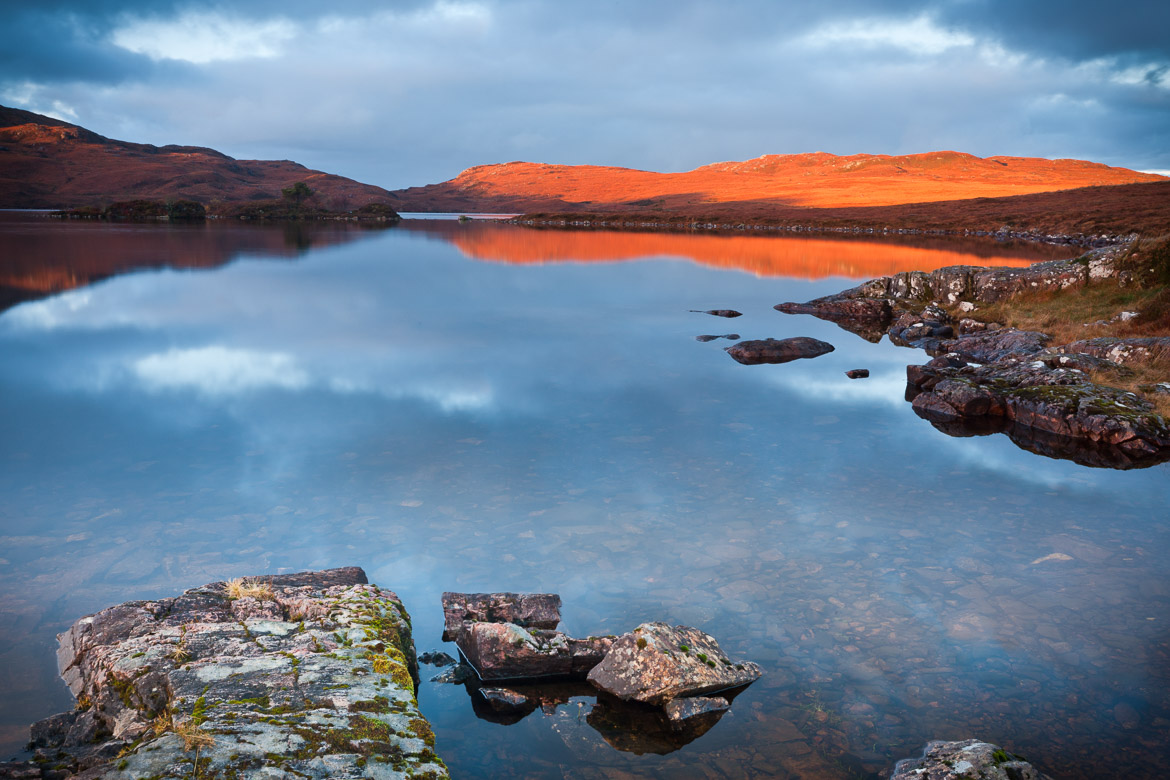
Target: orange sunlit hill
(816,180)
(807,258)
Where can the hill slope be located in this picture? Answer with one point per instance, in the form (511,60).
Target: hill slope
(816,180)
(48,163)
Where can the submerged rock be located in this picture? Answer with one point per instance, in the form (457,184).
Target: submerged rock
(966,760)
(306,675)
(657,663)
(753,353)
(728,336)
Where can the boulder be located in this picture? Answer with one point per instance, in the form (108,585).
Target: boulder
(657,663)
(966,760)
(857,373)
(529,610)
(1120,350)
(778,350)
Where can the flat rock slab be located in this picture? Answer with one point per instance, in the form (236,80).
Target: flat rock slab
(753,353)
(657,663)
(529,610)
(966,760)
(313,678)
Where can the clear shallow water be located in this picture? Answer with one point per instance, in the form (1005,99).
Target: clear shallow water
(384,399)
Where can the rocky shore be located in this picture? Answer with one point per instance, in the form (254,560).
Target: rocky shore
(307,675)
(986,377)
(313,675)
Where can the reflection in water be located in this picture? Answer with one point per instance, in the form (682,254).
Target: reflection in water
(626,726)
(44,255)
(763,255)
(458,425)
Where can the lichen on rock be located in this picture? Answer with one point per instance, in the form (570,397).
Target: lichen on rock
(316,680)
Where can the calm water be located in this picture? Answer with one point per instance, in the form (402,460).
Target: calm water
(460,407)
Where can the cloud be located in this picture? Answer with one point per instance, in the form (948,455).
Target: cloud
(204,37)
(918,35)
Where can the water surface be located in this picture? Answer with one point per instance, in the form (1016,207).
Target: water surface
(406,401)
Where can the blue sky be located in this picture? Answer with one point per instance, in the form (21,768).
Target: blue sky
(411,92)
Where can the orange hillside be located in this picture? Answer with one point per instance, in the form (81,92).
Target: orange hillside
(817,180)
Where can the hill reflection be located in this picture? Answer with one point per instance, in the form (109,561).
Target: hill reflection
(764,255)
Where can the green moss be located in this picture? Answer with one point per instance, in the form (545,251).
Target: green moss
(199,711)
(641,643)
(423,731)
(378,704)
(684,648)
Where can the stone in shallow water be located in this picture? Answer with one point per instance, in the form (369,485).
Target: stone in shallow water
(967,760)
(680,710)
(658,662)
(753,353)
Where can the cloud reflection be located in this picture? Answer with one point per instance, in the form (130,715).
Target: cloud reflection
(218,370)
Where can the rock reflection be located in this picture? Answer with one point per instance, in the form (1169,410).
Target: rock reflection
(625,726)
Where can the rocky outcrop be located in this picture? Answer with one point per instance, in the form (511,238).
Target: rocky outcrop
(752,353)
(1120,351)
(657,664)
(305,675)
(966,760)
(988,378)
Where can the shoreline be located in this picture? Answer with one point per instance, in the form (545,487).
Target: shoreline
(693,225)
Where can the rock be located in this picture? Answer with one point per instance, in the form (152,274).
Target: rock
(529,610)
(1121,351)
(728,336)
(456,675)
(966,306)
(966,760)
(865,317)
(728,313)
(1081,362)
(680,710)
(992,345)
(778,350)
(658,662)
(435,658)
(857,373)
(506,651)
(202,673)
(506,700)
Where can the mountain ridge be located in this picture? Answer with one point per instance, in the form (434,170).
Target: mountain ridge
(50,163)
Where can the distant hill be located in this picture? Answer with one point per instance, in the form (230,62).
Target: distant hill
(816,180)
(48,163)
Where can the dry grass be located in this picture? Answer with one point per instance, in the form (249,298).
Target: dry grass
(246,587)
(193,736)
(1070,315)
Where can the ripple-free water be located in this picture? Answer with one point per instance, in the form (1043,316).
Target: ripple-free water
(392,400)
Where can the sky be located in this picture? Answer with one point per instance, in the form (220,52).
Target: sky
(411,92)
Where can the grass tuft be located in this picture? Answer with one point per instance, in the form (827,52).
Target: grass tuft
(246,587)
